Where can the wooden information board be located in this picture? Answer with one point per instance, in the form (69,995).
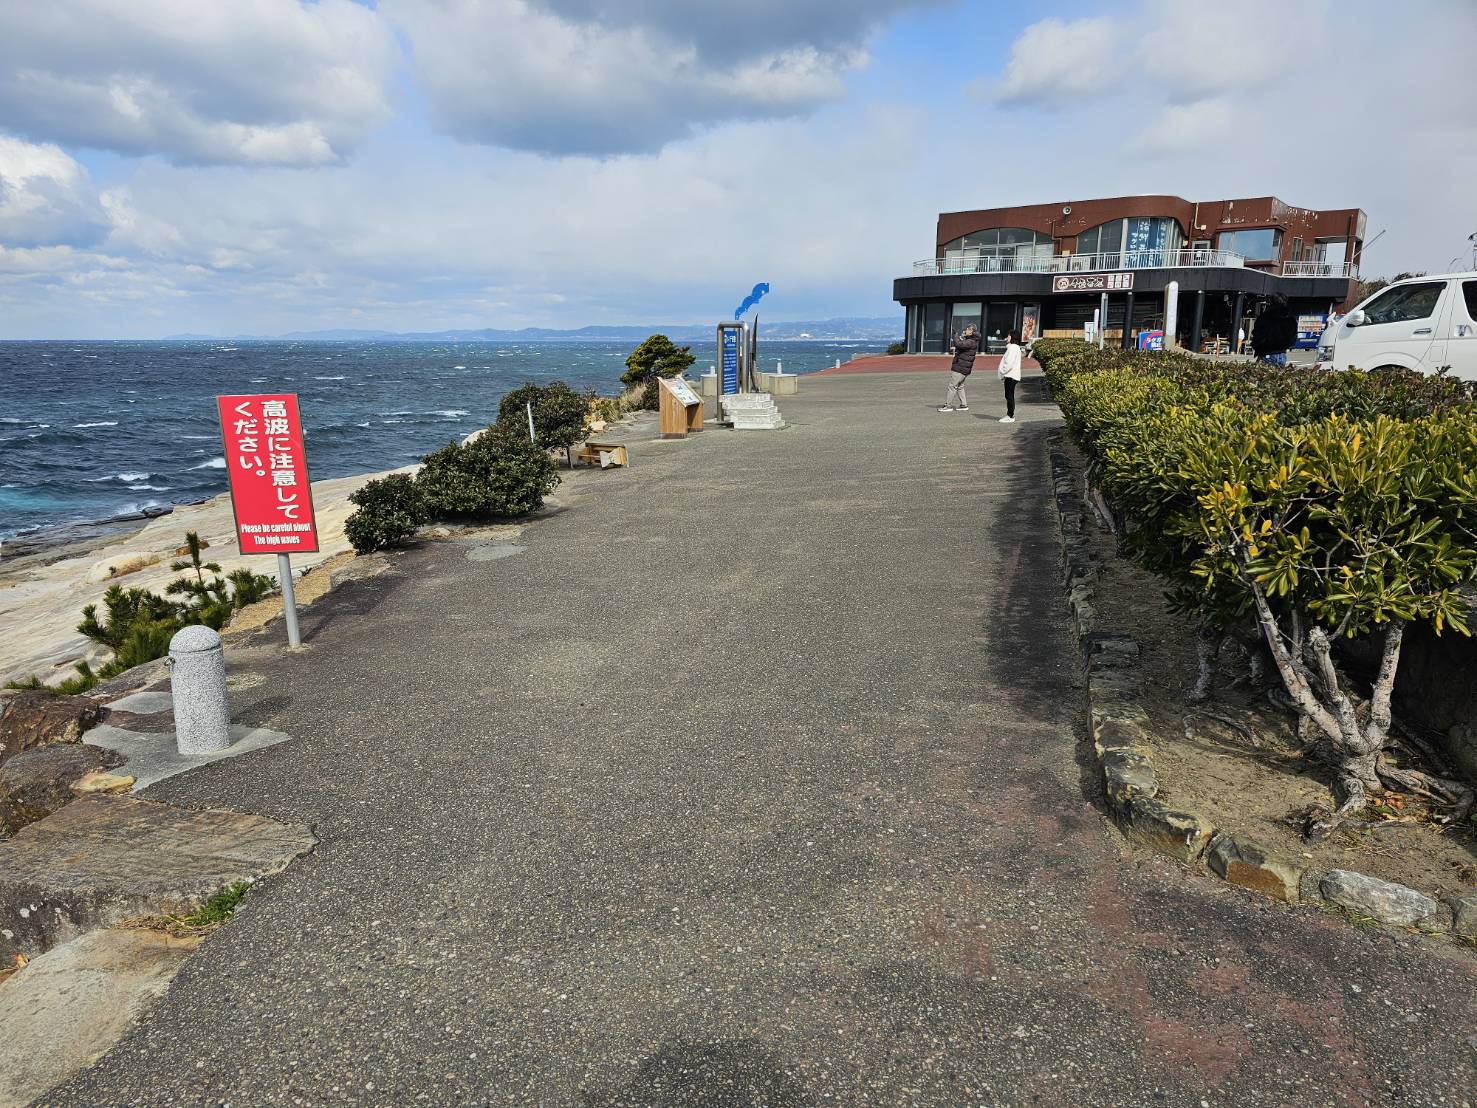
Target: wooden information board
(680,410)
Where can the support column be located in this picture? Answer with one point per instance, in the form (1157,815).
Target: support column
(1197,322)
(1127,342)
(1236,320)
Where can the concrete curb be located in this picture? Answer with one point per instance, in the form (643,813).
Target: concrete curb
(1122,744)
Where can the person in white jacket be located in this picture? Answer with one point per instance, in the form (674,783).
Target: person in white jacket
(1010,372)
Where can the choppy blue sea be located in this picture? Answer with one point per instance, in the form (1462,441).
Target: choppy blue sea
(92,430)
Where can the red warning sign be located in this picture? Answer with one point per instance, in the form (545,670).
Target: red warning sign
(268,466)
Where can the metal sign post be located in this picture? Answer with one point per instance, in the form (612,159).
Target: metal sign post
(1102,320)
(752,376)
(289,599)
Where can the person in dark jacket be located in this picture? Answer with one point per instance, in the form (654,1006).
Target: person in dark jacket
(1275,332)
(964,350)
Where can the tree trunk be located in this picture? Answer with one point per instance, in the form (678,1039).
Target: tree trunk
(1362,767)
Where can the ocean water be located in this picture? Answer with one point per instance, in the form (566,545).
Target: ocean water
(92,430)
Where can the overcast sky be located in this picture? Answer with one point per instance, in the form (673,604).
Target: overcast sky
(269,165)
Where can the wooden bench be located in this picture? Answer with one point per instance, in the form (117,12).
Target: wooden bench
(603,454)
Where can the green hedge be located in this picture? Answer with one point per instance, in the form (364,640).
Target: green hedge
(1309,504)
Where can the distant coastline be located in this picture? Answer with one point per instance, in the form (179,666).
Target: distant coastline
(840,329)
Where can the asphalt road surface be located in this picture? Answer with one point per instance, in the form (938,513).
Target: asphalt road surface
(756,778)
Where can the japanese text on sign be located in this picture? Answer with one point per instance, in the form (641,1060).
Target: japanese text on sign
(1093,282)
(268,466)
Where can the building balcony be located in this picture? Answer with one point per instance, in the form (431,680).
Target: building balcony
(955,264)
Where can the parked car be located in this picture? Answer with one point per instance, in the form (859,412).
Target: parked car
(1421,323)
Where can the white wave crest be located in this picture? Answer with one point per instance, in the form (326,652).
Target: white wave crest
(122,477)
(214,463)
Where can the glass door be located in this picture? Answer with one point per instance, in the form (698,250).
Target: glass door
(934,319)
(962,316)
(999,320)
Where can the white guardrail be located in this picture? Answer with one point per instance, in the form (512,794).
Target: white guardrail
(1116,260)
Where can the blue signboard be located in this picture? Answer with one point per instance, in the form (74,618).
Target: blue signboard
(1146,237)
(1151,340)
(728,356)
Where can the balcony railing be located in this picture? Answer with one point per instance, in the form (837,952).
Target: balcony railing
(1115,260)
(1319,269)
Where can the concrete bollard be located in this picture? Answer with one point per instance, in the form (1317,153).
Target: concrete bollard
(197,668)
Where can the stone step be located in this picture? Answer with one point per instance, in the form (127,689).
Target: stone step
(105,859)
(752,411)
(748,404)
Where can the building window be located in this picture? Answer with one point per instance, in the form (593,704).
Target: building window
(1148,240)
(1259,245)
(1105,238)
(934,316)
(1404,303)
(997,249)
(1130,243)
(962,316)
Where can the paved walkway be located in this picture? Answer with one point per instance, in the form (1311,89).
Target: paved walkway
(754,780)
(984,365)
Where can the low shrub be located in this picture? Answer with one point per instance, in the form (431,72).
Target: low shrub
(897,348)
(389,509)
(657,356)
(500,474)
(136,625)
(1308,504)
(607,408)
(561,416)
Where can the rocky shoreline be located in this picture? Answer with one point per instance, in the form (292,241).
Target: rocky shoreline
(47,577)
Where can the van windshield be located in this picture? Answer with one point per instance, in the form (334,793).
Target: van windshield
(1404,303)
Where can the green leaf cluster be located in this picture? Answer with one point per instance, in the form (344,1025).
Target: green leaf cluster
(389,509)
(1349,499)
(657,356)
(136,624)
(561,416)
(499,474)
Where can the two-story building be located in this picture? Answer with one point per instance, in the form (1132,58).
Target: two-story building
(1200,271)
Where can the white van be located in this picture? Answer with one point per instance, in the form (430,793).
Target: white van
(1422,323)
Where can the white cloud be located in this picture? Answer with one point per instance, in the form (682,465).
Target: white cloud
(603,78)
(461,236)
(45,198)
(1187,129)
(1198,49)
(271,82)
(1186,51)
(420,232)
(1053,62)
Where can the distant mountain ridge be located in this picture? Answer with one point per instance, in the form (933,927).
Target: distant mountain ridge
(842,329)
